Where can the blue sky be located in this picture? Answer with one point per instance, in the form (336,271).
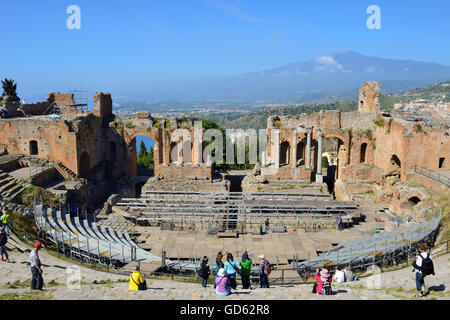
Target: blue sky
(137,44)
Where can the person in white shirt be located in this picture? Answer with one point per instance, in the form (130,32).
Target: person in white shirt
(339,276)
(420,283)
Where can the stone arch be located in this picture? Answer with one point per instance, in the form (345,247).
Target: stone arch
(285,152)
(395,162)
(442,162)
(187,151)
(34,148)
(363,154)
(395,166)
(84,165)
(173,152)
(341,151)
(410,200)
(301,151)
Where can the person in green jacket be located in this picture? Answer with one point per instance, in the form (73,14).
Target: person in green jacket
(5,222)
(246,268)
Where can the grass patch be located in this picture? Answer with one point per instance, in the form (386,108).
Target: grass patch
(30,192)
(28,295)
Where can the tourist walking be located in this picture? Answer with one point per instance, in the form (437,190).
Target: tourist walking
(324,280)
(136,280)
(264,270)
(231,268)
(3,241)
(339,221)
(219,264)
(36,270)
(222,283)
(423,266)
(204,270)
(266,227)
(246,269)
(5,222)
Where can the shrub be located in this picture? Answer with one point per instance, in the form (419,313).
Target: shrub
(379,123)
(277,123)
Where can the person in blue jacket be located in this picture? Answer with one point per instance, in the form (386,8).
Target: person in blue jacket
(231,269)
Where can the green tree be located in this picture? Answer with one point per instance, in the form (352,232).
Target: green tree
(142,150)
(325,163)
(10,89)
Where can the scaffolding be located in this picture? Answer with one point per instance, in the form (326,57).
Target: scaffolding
(234,211)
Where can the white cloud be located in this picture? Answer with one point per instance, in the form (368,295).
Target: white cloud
(374,69)
(327,64)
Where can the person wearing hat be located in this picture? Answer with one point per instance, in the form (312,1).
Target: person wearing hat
(203,272)
(36,270)
(223,284)
(136,281)
(264,271)
(322,276)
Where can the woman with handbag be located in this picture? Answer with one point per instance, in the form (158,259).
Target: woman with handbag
(136,281)
(232,268)
(222,283)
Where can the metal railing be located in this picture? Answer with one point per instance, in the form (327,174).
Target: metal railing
(434,175)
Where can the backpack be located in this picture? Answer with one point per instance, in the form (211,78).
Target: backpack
(326,289)
(427,267)
(267,267)
(203,271)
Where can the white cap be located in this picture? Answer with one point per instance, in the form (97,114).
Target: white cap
(221,272)
(261,256)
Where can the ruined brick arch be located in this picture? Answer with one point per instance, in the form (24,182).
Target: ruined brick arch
(395,162)
(410,200)
(364,152)
(285,152)
(173,152)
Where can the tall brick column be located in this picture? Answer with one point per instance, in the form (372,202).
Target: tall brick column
(319,177)
(277,148)
(308,149)
(294,148)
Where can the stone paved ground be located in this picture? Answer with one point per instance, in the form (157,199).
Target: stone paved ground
(15,277)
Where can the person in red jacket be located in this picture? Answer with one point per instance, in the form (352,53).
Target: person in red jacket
(321,277)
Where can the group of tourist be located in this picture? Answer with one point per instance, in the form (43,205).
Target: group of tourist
(324,278)
(226,273)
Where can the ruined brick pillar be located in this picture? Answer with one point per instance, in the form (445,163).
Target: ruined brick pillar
(369,97)
(277,148)
(319,177)
(102,104)
(198,142)
(308,150)
(294,148)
